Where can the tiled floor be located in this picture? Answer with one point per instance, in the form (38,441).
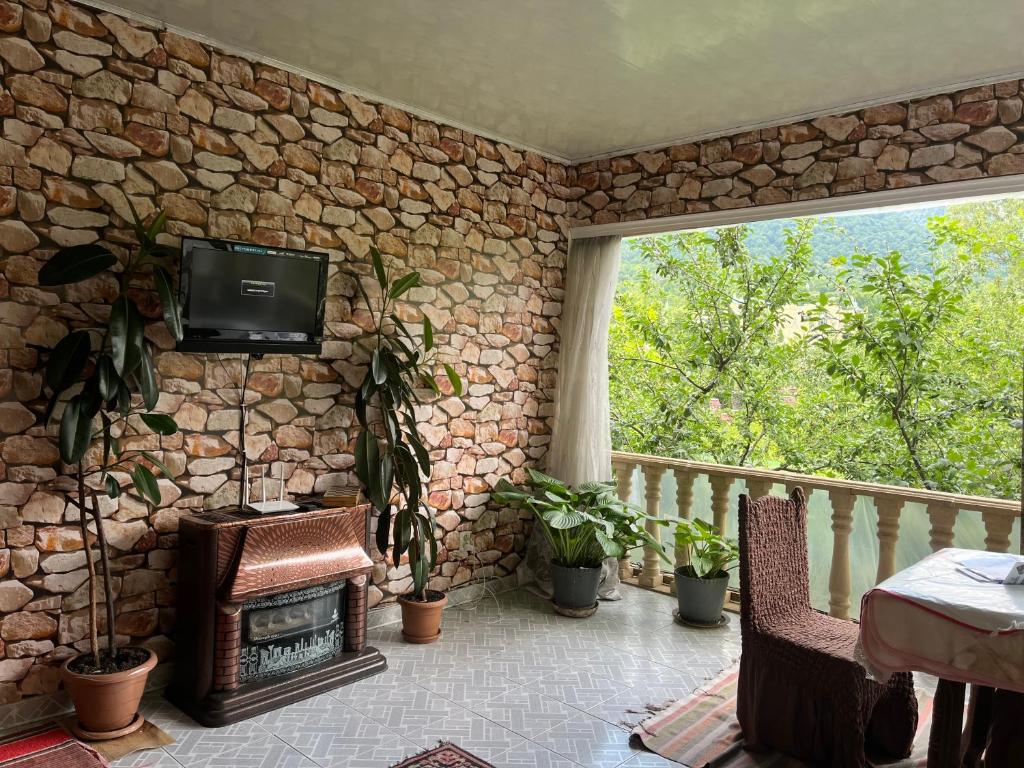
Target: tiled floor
(510,681)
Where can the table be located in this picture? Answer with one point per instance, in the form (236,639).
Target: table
(933,617)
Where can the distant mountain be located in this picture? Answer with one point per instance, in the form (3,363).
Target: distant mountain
(904,231)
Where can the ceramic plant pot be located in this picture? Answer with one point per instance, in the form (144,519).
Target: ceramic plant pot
(421,620)
(700,600)
(107,704)
(575,587)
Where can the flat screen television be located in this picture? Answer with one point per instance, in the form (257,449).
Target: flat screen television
(240,297)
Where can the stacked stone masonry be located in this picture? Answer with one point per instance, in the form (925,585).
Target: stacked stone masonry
(94,107)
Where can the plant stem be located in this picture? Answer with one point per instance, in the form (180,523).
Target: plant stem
(108,587)
(94,639)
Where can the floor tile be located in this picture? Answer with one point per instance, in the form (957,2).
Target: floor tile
(470,731)
(148,758)
(530,755)
(264,752)
(635,705)
(407,709)
(526,712)
(649,760)
(469,686)
(577,688)
(325,730)
(588,740)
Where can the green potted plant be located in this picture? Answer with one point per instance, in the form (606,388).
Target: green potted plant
(701,584)
(391,461)
(584,525)
(108,369)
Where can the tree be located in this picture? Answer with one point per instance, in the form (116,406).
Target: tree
(690,338)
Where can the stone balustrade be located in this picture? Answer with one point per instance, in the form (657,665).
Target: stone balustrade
(998,515)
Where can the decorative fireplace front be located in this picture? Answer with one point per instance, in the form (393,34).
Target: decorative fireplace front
(271,609)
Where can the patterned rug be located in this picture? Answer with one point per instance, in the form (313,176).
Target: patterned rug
(702,731)
(444,756)
(47,747)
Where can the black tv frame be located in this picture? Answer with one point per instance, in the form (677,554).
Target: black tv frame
(253,347)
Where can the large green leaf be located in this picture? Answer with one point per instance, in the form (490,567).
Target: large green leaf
(145,483)
(377,368)
(160,423)
(168,302)
(403,284)
(159,465)
(126,335)
(378,267)
(562,518)
(428,334)
(454,378)
(76,263)
(107,377)
(67,361)
(147,380)
(75,430)
(383,533)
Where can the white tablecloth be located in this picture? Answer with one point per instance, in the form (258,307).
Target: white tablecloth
(933,618)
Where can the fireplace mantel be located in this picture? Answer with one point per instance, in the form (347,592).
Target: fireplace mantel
(241,575)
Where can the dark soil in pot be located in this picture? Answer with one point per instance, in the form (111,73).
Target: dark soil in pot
(127,658)
(575,587)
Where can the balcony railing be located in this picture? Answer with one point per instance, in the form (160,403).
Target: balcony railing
(932,515)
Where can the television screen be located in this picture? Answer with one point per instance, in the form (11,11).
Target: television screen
(237,297)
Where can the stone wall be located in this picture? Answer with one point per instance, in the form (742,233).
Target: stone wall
(968,134)
(94,107)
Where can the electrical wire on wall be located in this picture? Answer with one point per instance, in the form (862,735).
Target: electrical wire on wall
(241,388)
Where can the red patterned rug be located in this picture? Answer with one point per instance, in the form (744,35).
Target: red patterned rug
(444,756)
(47,747)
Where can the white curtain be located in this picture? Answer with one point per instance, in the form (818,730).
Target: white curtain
(581,441)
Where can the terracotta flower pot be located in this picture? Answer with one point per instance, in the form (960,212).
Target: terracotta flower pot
(106,704)
(421,621)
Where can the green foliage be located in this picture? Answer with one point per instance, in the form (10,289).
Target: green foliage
(710,555)
(583,525)
(390,459)
(902,369)
(695,331)
(109,373)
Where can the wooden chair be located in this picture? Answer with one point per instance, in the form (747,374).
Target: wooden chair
(800,690)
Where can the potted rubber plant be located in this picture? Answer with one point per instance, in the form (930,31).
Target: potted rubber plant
(702,583)
(105,379)
(390,459)
(584,525)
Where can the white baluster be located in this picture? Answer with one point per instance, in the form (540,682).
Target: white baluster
(942,515)
(651,574)
(889,508)
(839,577)
(720,485)
(998,526)
(624,488)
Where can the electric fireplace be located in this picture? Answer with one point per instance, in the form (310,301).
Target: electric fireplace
(271,609)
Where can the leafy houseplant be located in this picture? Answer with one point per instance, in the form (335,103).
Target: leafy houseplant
(701,584)
(109,370)
(584,525)
(391,460)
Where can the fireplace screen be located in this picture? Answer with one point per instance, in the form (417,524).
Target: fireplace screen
(291,630)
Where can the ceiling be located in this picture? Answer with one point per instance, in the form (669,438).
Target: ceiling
(577,79)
